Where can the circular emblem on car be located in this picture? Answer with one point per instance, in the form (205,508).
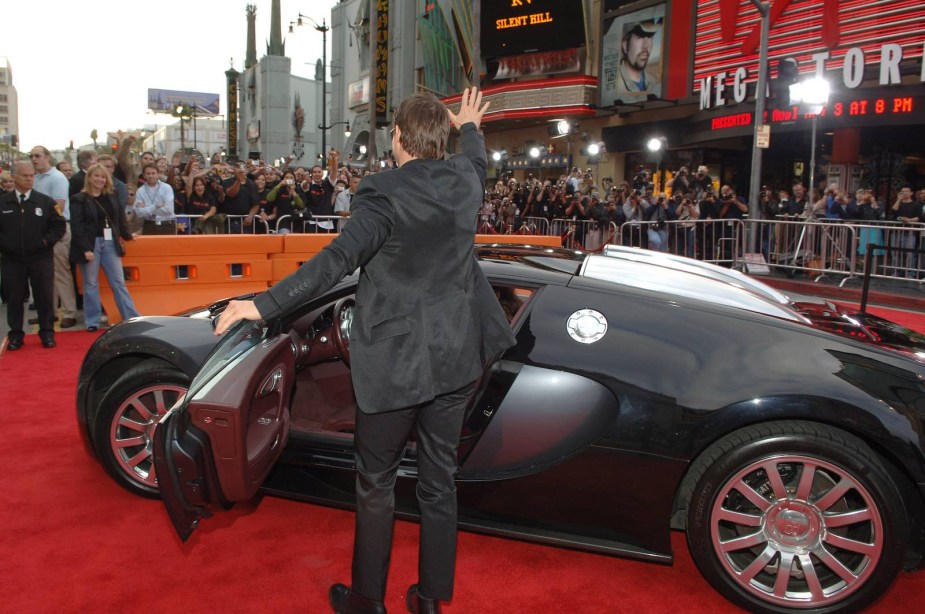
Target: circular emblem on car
(586,326)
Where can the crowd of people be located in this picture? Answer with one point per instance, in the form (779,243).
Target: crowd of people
(58,218)
(121,198)
(641,213)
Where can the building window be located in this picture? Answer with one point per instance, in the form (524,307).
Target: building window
(4,108)
(4,120)
(2,97)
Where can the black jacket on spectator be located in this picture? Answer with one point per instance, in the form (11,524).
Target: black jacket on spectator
(242,202)
(87,222)
(29,233)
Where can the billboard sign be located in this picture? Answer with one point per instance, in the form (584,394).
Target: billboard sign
(165,101)
(632,55)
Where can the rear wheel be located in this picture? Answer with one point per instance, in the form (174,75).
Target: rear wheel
(125,422)
(796,515)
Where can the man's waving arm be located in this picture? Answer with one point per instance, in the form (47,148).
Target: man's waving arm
(467,121)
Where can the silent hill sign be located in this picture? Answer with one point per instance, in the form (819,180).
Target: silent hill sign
(515,27)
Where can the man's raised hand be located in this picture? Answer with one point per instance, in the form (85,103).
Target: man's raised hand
(471,108)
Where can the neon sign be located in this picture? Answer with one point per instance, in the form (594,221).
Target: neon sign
(821,36)
(868,107)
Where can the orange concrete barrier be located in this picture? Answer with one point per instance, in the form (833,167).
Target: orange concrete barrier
(297,248)
(170,274)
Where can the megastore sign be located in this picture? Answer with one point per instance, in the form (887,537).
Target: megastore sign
(839,38)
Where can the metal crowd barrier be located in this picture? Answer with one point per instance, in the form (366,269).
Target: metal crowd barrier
(318,224)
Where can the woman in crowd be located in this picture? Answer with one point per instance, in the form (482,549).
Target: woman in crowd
(202,202)
(869,213)
(6,182)
(284,200)
(98,227)
(263,190)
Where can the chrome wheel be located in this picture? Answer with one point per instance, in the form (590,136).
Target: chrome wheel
(796,531)
(132,428)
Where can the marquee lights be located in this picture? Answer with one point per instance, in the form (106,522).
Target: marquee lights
(883,106)
(820,41)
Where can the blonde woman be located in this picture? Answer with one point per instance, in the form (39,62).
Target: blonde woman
(98,226)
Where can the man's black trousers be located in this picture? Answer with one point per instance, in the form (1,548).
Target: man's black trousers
(41,274)
(380,444)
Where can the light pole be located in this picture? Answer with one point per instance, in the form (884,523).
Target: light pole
(323,28)
(324,129)
(812,95)
(754,185)
(656,145)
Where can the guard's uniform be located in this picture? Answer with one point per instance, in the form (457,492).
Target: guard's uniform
(30,225)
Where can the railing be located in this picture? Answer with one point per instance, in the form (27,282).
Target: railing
(818,248)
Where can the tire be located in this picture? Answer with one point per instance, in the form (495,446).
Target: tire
(843,532)
(125,422)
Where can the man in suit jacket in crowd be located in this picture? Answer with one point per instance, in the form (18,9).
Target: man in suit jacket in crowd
(427,323)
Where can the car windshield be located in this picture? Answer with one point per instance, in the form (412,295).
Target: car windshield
(237,342)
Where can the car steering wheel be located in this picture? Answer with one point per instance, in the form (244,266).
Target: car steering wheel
(343,321)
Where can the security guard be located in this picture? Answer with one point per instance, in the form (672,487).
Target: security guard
(30,225)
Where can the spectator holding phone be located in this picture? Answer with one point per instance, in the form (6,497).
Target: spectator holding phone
(283,201)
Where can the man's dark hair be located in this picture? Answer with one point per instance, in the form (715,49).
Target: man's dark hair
(151,165)
(425,125)
(83,158)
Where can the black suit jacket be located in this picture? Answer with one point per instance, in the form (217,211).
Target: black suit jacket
(76,183)
(427,321)
(85,215)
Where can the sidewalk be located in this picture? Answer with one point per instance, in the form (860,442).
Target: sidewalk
(33,328)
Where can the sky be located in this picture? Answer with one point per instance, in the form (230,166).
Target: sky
(84,65)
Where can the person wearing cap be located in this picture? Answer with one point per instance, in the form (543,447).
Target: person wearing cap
(636,80)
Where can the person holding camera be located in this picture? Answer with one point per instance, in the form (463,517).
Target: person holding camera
(661,213)
(284,201)
(707,231)
(679,184)
(635,211)
(240,200)
(687,213)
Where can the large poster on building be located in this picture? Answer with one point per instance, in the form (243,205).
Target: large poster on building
(632,50)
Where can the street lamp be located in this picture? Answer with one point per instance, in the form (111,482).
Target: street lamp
(656,145)
(323,28)
(812,95)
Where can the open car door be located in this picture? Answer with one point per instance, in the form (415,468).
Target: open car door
(218,443)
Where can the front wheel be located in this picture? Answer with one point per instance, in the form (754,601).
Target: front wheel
(126,418)
(796,516)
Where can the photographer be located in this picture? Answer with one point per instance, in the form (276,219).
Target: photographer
(679,184)
(284,200)
(635,211)
(660,213)
(701,182)
(687,213)
(836,202)
(706,232)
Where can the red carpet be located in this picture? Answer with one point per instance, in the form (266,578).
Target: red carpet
(73,541)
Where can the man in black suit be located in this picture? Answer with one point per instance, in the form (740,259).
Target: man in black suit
(30,225)
(427,323)
(85,159)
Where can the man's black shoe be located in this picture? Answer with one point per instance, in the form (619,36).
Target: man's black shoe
(48,343)
(419,604)
(345,601)
(14,344)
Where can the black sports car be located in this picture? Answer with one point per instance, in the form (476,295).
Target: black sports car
(646,392)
